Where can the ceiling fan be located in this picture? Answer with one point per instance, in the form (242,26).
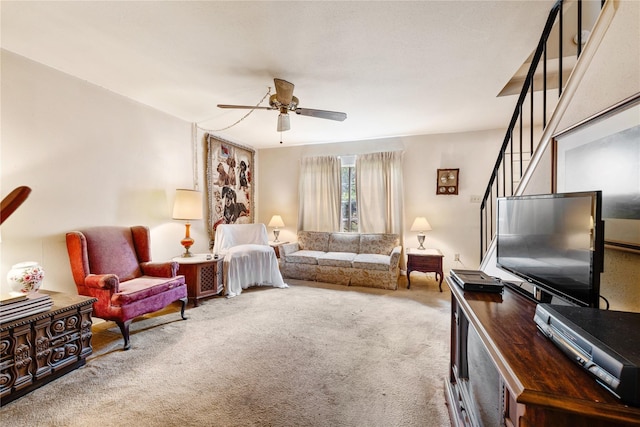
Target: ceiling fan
(284,101)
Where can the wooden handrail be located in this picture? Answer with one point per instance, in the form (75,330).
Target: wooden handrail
(13,201)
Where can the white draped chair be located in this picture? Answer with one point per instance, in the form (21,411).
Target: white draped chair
(248,258)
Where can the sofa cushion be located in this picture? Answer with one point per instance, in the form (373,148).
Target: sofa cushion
(304,257)
(372,261)
(344,242)
(337,259)
(381,244)
(313,240)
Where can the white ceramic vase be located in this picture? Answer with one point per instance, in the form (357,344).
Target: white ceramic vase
(25,277)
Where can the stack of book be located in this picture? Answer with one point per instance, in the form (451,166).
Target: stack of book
(15,306)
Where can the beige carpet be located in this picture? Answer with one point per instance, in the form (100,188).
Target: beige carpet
(310,355)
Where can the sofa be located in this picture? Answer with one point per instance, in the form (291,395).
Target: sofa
(351,259)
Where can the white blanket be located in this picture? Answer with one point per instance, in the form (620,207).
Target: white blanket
(248,258)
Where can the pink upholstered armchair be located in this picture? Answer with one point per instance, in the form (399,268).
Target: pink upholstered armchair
(113,264)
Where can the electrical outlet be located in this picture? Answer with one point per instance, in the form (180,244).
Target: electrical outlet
(475,199)
(456,257)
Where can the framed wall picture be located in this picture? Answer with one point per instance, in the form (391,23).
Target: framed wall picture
(229,176)
(603,153)
(447,181)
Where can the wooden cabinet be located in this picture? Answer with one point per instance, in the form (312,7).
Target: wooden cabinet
(503,371)
(203,276)
(39,348)
(425,261)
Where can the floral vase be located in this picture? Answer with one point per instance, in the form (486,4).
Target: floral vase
(25,277)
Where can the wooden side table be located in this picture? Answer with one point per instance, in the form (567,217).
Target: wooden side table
(425,261)
(203,275)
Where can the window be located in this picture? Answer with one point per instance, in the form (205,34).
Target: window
(349,204)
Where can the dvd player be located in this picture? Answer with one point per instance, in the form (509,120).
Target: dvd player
(475,280)
(603,342)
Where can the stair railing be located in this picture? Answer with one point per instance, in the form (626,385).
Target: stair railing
(520,141)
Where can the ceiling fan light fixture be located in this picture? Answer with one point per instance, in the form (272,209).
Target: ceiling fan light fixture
(283,122)
(284,101)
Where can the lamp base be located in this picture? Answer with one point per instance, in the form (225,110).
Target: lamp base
(187,254)
(187,242)
(276,233)
(421,241)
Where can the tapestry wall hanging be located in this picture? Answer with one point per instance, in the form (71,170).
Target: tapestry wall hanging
(229,180)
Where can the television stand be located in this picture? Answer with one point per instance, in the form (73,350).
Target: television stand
(518,377)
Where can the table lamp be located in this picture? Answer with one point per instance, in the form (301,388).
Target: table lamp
(420,224)
(187,206)
(276,221)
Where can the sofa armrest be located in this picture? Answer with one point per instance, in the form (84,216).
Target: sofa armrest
(160,269)
(109,282)
(287,249)
(395,257)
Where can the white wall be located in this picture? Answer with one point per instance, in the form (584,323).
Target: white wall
(454,219)
(91,157)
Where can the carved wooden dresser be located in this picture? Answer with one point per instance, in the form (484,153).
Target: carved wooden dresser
(42,347)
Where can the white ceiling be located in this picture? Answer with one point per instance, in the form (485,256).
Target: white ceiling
(396,68)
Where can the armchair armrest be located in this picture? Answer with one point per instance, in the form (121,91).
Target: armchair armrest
(159,269)
(395,258)
(109,282)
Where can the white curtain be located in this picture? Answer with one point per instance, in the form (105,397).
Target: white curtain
(379,185)
(320,193)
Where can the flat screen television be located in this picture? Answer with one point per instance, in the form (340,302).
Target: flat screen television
(555,242)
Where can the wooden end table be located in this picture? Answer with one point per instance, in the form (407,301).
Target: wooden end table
(203,274)
(425,261)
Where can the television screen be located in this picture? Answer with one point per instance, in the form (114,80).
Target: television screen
(555,242)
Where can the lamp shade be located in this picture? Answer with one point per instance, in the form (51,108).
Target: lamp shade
(420,224)
(187,205)
(276,221)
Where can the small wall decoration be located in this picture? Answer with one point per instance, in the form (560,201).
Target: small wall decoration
(447,181)
(229,180)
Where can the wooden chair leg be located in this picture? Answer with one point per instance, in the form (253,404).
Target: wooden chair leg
(124,328)
(184,305)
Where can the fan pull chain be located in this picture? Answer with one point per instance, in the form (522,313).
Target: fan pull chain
(243,117)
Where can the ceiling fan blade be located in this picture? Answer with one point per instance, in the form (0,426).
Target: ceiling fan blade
(322,114)
(246,107)
(284,91)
